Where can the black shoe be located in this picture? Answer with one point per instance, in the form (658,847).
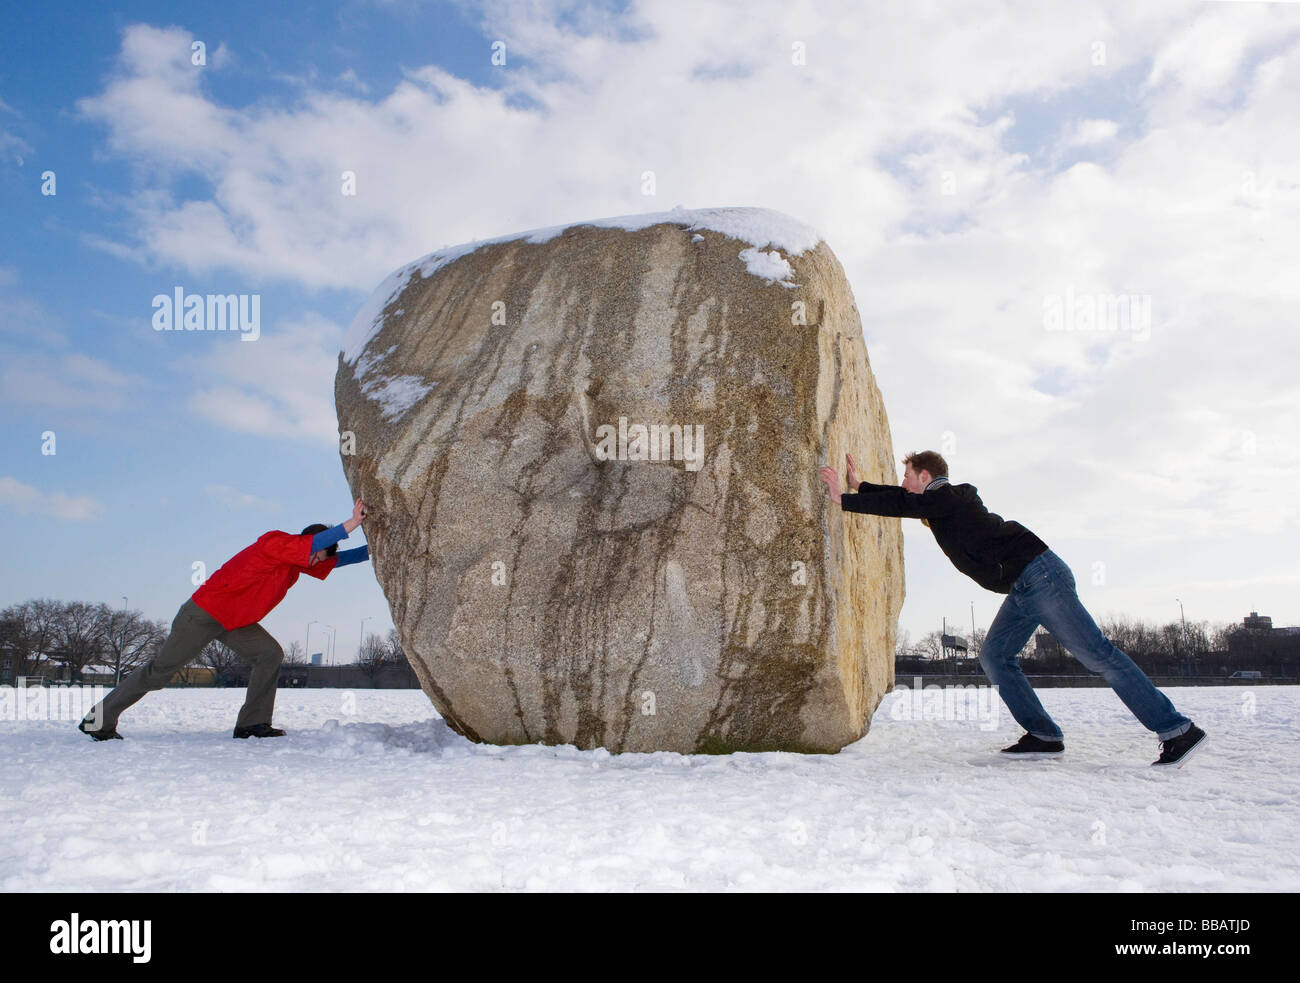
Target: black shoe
(258,730)
(1030,746)
(103,734)
(1177,750)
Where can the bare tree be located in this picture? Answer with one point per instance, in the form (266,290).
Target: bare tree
(902,648)
(375,655)
(81,631)
(395,652)
(1219,635)
(32,629)
(930,645)
(293,655)
(128,636)
(13,645)
(1199,638)
(221,659)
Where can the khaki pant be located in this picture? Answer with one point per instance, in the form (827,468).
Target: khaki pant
(192,629)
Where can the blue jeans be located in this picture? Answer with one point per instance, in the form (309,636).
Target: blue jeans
(1045,594)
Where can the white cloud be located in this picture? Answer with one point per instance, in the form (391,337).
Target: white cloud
(90,369)
(352,80)
(1091,131)
(23,317)
(234,499)
(13,148)
(69,381)
(27,500)
(1206,53)
(800,138)
(280,385)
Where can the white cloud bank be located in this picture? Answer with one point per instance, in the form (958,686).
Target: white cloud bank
(26,499)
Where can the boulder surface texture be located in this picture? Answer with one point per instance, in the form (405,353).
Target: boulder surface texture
(590,458)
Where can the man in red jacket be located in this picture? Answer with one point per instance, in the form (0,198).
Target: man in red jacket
(227,607)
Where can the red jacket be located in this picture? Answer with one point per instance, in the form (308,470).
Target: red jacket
(254,580)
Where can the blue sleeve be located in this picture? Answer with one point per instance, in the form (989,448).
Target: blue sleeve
(357,555)
(323,540)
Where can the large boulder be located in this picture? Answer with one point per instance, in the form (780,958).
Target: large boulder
(559,570)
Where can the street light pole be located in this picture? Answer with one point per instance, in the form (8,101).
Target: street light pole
(362,642)
(973,649)
(306,642)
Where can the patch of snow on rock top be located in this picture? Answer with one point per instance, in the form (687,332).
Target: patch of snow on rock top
(770,266)
(759,227)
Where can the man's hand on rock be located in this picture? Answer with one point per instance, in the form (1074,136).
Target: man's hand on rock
(832,479)
(358,513)
(851,480)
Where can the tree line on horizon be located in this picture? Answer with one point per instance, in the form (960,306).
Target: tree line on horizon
(45,634)
(1154,647)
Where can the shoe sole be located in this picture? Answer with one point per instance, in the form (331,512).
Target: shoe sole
(98,736)
(1009,755)
(1186,754)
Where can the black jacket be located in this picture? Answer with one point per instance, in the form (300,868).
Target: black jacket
(985,547)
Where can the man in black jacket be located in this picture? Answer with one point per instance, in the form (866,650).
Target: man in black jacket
(1007,558)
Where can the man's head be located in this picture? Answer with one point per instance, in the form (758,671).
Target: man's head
(330,550)
(921,468)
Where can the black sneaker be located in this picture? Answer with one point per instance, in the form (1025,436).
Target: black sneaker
(1030,746)
(1177,750)
(103,734)
(258,730)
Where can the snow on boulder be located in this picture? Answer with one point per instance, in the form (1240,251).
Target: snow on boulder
(590,455)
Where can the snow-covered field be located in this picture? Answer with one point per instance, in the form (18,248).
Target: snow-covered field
(370,791)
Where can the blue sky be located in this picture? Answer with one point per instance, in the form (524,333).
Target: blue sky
(963,168)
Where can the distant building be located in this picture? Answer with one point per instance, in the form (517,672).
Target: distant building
(953,643)
(1046,645)
(1256,621)
(1258,639)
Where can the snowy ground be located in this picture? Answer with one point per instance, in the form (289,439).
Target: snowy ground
(371,792)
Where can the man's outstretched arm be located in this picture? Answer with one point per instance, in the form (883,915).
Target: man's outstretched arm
(324,540)
(890,500)
(874,499)
(358,555)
